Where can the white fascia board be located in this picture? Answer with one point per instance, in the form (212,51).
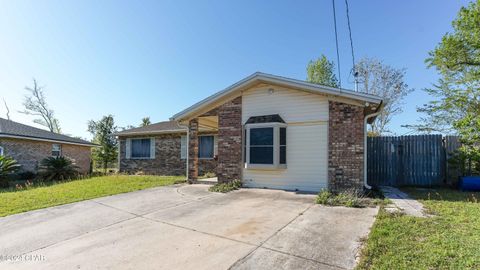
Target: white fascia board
(273,79)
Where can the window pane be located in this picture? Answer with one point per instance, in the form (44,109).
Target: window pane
(140,148)
(283,155)
(261,154)
(261,136)
(205,147)
(283,136)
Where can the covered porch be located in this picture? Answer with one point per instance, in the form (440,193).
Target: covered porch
(225,122)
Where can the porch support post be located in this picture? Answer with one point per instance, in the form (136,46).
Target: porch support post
(193,151)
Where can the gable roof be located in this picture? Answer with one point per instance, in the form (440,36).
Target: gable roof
(157,128)
(11,129)
(259,77)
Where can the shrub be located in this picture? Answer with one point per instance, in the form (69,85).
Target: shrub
(349,198)
(7,167)
(57,168)
(226,187)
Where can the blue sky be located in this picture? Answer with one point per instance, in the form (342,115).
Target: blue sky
(154,58)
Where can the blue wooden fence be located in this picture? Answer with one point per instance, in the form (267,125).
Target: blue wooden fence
(418,160)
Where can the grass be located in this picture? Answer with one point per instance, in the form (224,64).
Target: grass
(449,240)
(226,187)
(14,201)
(350,199)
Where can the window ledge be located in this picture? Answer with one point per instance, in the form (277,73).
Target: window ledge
(144,158)
(265,167)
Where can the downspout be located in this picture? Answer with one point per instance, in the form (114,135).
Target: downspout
(187,157)
(365,123)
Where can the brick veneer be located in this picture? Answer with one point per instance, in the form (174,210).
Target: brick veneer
(230,141)
(193,150)
(29,153)
(167,159)
(345,147)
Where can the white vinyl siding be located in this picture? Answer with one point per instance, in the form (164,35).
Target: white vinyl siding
(292,105)
(306,116)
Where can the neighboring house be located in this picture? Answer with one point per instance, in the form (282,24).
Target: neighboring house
(266,130)
(29,146)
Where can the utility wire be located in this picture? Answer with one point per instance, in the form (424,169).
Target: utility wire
(354,71)
(336,42)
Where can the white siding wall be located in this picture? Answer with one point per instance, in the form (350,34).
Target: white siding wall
(307,138)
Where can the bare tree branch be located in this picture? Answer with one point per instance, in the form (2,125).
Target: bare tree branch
(36,105)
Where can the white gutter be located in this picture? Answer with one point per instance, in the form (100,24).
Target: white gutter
(365,123)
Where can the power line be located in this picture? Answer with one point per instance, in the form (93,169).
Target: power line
(336,42)
(355,74)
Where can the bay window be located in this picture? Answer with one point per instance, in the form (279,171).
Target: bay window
(266,145)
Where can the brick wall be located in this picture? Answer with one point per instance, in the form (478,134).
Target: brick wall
(29,153)
(230,140)
(345,148)
(167,159)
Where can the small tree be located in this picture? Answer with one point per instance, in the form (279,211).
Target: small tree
(36,104)
(385,81)
(321,71)
(145,122)
(103,134)
(456,104)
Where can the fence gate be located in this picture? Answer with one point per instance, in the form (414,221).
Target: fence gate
(417,160)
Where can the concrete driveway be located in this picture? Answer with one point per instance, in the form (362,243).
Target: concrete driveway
(186,227)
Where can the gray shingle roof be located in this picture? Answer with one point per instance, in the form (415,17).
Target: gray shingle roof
(10,128)
(160,127)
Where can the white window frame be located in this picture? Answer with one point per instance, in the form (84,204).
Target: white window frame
(183,147)
(59,150)
(128,148)
(276,146)
(215,150)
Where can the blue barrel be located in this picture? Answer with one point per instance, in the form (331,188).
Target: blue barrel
(469,183)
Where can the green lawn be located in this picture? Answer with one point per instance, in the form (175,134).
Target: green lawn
(450,240)
(12,202)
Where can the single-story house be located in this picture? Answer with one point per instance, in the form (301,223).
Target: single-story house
(29,146)
(269,131)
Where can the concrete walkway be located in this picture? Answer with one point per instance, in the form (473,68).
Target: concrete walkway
(186,227)
(403,202)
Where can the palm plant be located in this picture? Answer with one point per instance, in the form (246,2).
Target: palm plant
(7,166)
(57,168)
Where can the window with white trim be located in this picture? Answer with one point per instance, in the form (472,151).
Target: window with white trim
(56,150)
(183,147)
(141,148)
(266,145)
(206,146)
(1,151)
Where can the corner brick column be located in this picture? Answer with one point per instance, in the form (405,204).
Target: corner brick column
(193,151)
(345,147)
(230,141)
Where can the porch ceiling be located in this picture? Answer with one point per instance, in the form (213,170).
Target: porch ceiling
(208,123)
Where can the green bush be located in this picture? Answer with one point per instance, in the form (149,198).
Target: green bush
(7,167)
(226,187)
(57,168)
